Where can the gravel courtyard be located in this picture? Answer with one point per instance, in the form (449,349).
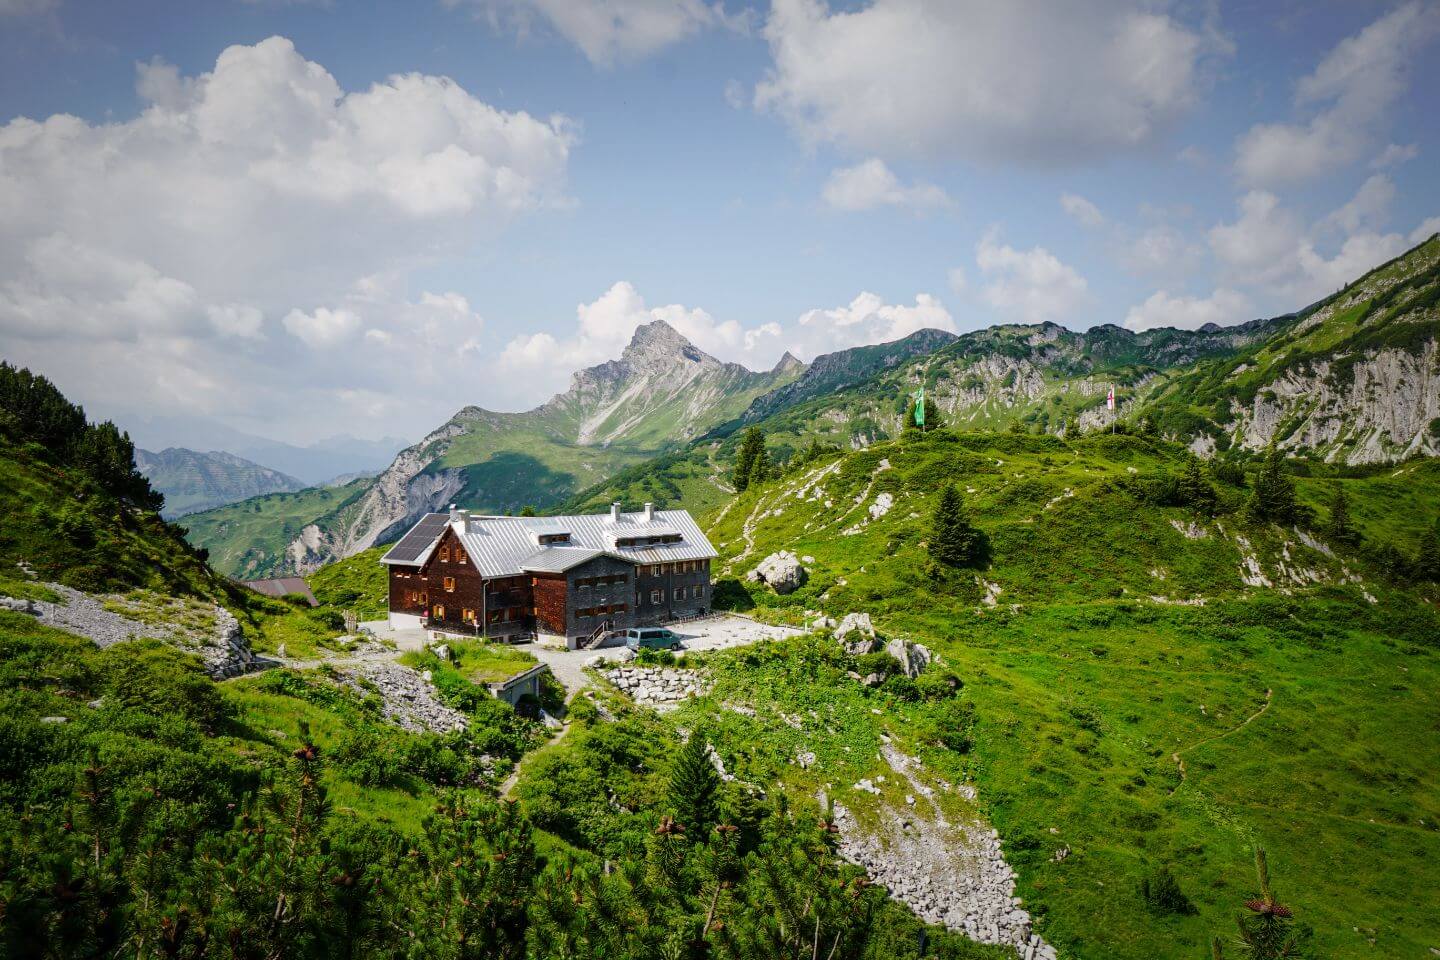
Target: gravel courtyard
(717,632)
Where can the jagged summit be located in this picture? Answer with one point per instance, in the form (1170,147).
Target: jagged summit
(787,363)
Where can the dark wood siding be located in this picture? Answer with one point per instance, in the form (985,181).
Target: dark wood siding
(465,590)
(549,591)
(406,591)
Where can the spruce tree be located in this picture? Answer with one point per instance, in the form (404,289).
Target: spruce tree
(1427,561)
(751,448)
(1339,528)
(761,469)
(1273,498)
(694,789)
(932,416)
(954,541)
(1269,931)
(1194,489)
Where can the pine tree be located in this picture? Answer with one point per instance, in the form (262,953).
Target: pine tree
(752,446)
(1339,528)
(932,416)
(1194,489)
(527,511)
(1273,498)
(1427,561)
(1269,931)
(954,541)
(694,789)
(761,469)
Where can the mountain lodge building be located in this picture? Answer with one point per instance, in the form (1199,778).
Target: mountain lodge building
(576,577)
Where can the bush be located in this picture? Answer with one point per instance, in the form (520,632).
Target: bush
(1162,894)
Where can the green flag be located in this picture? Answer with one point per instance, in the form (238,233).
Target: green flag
(919,397)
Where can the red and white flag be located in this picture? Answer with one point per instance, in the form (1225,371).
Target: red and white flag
(1110,399)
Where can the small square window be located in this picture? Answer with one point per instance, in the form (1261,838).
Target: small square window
(449,584)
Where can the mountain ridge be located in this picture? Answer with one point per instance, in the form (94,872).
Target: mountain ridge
(194,480)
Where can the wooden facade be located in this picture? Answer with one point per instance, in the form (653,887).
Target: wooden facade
(446,592)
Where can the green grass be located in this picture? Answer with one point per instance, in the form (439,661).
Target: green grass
(359,583)
(477,661)
(246,539)
(1083,684)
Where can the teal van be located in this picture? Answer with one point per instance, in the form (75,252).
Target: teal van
(651,638)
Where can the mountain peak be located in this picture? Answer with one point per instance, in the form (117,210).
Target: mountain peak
(787,363)
(657,342)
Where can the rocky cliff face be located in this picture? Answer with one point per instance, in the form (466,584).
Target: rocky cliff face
(1355,380)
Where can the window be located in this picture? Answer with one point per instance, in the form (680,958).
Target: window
(459,555)
(657,596)
(679,593)
(699,592)
(438,613)
(468,615)
(445,553)
(449,584)
(548,538)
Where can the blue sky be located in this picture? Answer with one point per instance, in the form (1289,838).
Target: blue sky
(306,219)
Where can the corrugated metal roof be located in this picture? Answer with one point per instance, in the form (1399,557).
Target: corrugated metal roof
(558,559)
(502,546)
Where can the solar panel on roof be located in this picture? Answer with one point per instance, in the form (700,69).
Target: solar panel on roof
(414,544)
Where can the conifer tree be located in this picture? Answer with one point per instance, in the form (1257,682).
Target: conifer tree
(932,416)
(1339,528)
(761,469)
(1427,561)
(954,541)
(694,788)
(1273,498)
(752,446)
(1269,931)
(1194,488)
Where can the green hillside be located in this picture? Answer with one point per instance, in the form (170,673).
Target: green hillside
(246,539)
(1110,635)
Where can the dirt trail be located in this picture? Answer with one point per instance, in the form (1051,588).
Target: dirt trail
(1178,755)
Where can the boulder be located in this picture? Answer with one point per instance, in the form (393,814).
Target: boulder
(781,571)
(857,633)
(912,657)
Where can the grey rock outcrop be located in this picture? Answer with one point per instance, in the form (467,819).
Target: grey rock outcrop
(657,685)
(781,571)
(912,657)
(857,634)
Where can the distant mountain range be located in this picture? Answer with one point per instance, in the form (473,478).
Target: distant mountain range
(661,393)
(323,461)
(1352,379)
(193,481)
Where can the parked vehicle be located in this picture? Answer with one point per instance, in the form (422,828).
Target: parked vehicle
(651,638)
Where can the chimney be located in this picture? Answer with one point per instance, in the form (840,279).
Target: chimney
(454,514)
(649,512)
(462,520)
(615,512)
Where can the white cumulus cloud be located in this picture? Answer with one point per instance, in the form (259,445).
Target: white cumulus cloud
(1082,210)
(218,251)
(1223,308)
(871,184)
(1022,81)
(1349,94)
(1029,286)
